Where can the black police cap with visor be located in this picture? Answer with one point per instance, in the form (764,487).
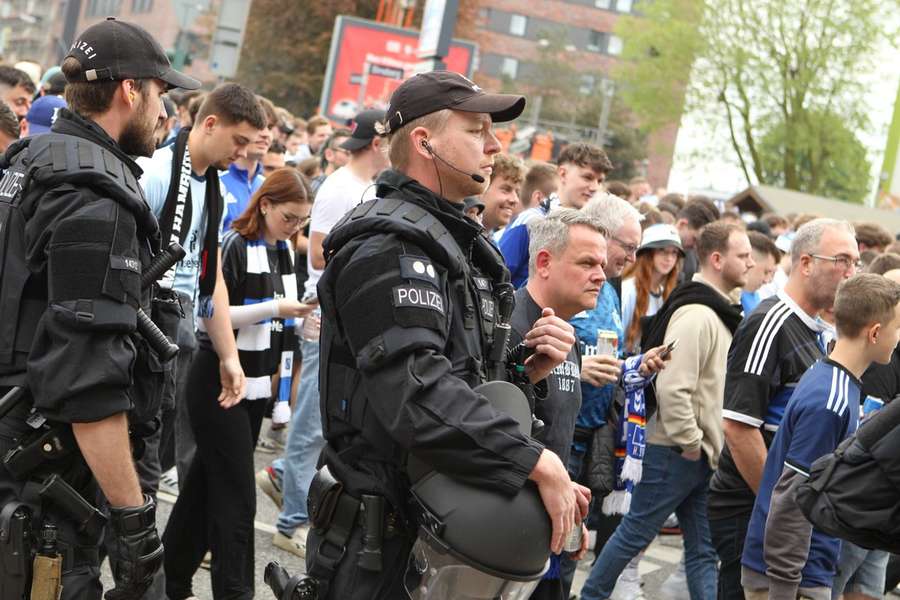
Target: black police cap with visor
(113,50)
(426,93)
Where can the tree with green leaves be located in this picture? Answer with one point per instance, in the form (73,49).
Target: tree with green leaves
(786,77)
(286,45)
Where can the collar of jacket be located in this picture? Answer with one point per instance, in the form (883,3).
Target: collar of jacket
(71,123)
(392,183)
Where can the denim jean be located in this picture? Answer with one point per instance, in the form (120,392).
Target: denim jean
(669,484)
(728,537)
(304,444)
(860,571)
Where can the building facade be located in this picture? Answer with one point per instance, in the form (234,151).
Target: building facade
(511,34)
(25,29)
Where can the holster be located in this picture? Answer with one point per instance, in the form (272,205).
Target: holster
(15,550)
(322,500)
(49,443)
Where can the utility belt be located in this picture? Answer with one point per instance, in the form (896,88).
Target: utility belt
(24,568)
(336,514)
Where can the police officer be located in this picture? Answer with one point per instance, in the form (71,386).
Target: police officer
(409,317)
(77,233)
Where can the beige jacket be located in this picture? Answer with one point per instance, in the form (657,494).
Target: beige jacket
(690,389)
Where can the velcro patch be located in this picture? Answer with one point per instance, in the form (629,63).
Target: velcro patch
(487,308)
(482,283)
(418,267)
(414,296)
(124,263)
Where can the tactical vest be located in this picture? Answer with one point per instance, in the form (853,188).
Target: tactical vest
(33,167)
(472,313)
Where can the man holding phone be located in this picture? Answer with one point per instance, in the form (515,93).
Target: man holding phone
(683,448)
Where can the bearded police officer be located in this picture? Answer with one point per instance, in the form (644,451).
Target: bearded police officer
(412,299)
(75,234)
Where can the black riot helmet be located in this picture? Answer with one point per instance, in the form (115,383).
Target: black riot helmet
(476,543)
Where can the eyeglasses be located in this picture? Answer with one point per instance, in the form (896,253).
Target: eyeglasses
(630,249)
(841,260)
(294,220)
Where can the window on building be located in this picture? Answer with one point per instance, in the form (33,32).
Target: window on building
(509,67)
(141,6)
(102,8)
(614,46)
(587,85)
(624,6)
(604,4)
(518,24)
(596,41)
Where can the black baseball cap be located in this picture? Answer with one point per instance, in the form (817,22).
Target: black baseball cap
(473,202)
(363,128)
(425,93)
(116,50)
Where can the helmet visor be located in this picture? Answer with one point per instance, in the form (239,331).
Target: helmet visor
(432,575)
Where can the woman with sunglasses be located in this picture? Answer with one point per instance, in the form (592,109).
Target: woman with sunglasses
(217,503)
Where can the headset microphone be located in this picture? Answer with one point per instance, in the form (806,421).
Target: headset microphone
(475,176)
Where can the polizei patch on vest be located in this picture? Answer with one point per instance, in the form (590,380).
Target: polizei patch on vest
(414,296)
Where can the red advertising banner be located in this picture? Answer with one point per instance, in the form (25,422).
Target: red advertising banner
(368,60)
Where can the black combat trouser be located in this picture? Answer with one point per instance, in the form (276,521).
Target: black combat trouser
(81,568)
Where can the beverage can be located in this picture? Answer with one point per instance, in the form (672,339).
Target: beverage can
(573,539)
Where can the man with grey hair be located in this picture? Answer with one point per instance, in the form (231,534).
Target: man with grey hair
(771,350)
(567,255)
(600,368)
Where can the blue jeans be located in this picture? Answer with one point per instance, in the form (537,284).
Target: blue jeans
(304,444)
(669,484)
(860,571)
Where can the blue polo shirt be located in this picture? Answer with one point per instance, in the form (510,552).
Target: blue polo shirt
(822,412)
(239,187)
(606,315)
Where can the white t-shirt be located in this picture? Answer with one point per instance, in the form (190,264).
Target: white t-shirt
(341,192)
(629,301)
(155,181)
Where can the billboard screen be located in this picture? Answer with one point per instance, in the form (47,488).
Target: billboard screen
(368,60)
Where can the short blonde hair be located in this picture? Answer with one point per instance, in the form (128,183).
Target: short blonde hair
(510,167)
(400,146)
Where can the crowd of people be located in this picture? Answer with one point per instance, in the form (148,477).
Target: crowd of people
(691,363)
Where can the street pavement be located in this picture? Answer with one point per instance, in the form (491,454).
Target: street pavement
(660,560)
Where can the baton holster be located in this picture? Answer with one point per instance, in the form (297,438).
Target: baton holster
(15,550)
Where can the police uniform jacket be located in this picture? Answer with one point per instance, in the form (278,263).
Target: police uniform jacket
(408,316)
(87,234)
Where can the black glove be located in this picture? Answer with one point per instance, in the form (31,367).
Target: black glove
(136,553)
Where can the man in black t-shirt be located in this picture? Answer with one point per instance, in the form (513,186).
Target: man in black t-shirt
(567,255)
(771,350)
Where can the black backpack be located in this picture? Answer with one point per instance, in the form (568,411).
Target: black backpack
(854,493)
